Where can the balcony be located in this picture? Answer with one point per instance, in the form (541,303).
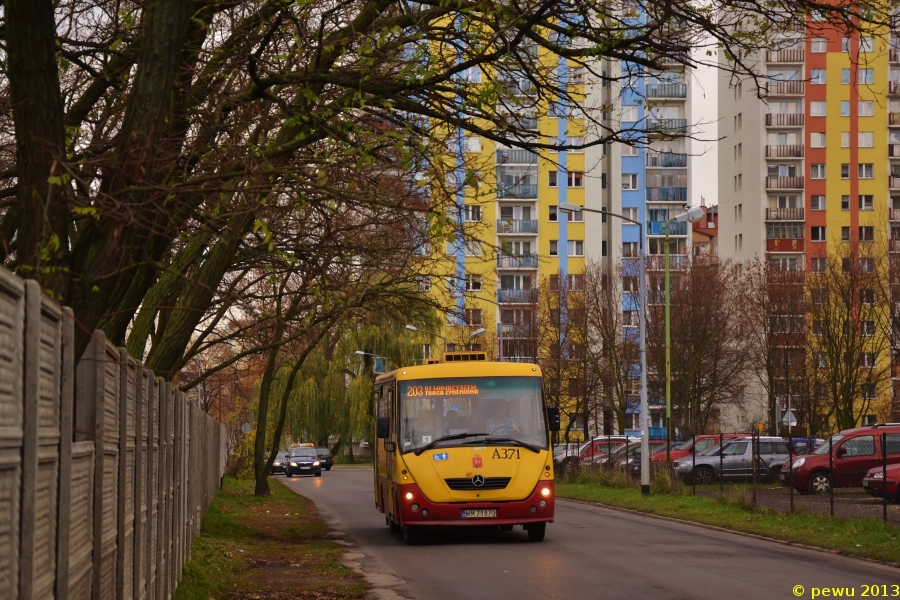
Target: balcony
(519,87)
(893,119)
(894,56)
(785,151)
(785,88)
(523,157)
(520,226)
(667,159)
(518,190)
(894,245)
(894,183)
(784,56)
(666,194)
(893,88)
(667,126)
(517,261)
(894,214)
(659,228)
(784,183)
(784,120)
(513,296)
(785,245)
(666,90)
(656,262)
(784,214)
(894,150)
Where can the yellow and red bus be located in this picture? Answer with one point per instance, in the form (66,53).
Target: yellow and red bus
(464,441)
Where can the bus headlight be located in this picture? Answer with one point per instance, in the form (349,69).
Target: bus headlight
(545,492)
(409,495)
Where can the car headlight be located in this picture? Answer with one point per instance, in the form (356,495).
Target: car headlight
(878,475)
(277,463)
(293,464)
(799,462)
(316,464)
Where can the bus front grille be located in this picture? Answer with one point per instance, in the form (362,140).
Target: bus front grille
(468,483)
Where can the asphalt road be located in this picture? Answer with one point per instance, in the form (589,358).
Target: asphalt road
(589,552)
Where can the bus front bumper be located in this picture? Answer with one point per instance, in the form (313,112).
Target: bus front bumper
(512,512)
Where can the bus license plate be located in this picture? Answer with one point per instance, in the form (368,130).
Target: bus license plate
(479,513)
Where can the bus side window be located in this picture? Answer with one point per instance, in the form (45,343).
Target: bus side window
(382,402)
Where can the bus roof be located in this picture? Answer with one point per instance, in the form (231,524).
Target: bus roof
(463,369)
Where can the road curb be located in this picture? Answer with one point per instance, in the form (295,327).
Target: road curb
(732,531)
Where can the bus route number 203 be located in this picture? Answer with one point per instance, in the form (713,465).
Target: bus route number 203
(509,453)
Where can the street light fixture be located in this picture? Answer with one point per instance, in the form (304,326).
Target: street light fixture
(694,214)
(642,297)
(478,331)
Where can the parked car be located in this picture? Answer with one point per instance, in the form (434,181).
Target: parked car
(564,452)
(703,443)
(875,483)
(853,453)
(325,458)
(735,461)
(603,445)
(280,462)
(303,461)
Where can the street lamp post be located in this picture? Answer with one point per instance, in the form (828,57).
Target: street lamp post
(642,299)
(414,328)
(692,215)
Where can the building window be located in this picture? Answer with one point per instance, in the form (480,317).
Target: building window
(866,170)
(817,234)
(845,171)
(603,250)
(576,216)
(817,265)
(472,213)
(818,77)
(845,108)
(552,175)
(473,143)
(817,202)
(817,108)
(630,213)
(819,45)
(869,392)
(867,297)
(629,249)
(845,139)
(629,181)
(473,316)
(845,202)
(576,141)
(554,247)
(866,108)
(845,234)
(868,328)
(866,139)
(630,318)
(473,283)
(817,171)
(845,44)
(553,216)
(576,247)
(473,248)
(867,265)
(575,179)
(867,202)
(866,76)
(866,234)
(821,359)
(866,44)
(820,296)
(629,113)
(817,140)
(818,328)
(629,150)
(845,76)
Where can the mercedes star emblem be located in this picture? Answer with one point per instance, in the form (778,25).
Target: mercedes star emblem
(478,481)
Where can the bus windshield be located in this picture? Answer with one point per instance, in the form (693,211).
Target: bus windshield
(471,409)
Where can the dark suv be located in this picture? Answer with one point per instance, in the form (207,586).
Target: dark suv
(325,458)
(853,453)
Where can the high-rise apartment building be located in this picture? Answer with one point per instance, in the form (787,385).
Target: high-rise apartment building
(527,239)
(808,171)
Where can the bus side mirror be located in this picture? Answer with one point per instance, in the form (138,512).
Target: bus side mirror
(553,418)
(382,427)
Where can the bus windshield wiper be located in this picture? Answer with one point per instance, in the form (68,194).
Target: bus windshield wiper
(444,438)
(514,441)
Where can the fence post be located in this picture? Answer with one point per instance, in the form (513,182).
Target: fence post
(694,464)
(884,481)
(831,472)
(140,487)
(153,492)
(161,558)
(721,463)
(125,522)
(791,470)
(28,516)
(66,428)
(754,464)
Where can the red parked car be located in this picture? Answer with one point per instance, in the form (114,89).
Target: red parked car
(703,442)
(875,483)
(602,445)
(854,452)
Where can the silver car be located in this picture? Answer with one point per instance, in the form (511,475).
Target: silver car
(735,460)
